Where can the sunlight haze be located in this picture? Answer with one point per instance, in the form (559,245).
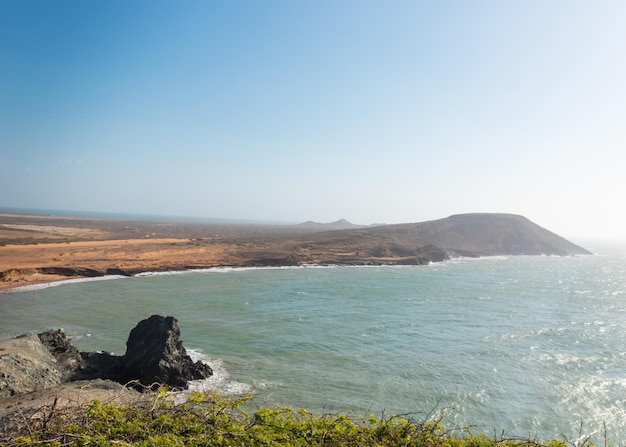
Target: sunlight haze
(371,111)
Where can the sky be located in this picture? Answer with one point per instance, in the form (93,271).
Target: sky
(288,111)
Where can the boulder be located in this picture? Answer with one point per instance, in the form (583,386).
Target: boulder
(26,366)
(155,354)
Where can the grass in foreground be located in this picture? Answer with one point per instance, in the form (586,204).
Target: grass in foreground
(211,420)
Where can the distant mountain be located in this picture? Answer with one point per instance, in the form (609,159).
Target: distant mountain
(486,234)
(468,235)
(341,224)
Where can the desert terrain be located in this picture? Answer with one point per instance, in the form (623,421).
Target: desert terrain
(50,248)
(35,249)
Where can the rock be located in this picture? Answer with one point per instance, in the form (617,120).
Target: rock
(74,365)
(69,271)
(155,354)
(100,365)
(26,366)
(67,356)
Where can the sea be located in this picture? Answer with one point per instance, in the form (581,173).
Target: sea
(520,346)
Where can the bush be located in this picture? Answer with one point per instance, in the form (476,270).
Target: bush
(213,420)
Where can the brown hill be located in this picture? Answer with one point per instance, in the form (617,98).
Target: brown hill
(470,235)
(484,234)
(38,248)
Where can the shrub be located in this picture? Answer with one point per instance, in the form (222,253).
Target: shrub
(213,420)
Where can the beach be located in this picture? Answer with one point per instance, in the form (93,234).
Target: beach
(39,249)
(46,248)
(36,249)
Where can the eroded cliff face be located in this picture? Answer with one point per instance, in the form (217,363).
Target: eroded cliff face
(26,365)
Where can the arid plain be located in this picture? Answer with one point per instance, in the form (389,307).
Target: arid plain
(45,248)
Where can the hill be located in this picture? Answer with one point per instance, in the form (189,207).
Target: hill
(483,234)
(467,235)
(341,224)
(43,248)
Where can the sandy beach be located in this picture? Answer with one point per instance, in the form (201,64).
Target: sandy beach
(40,249)
(36,249)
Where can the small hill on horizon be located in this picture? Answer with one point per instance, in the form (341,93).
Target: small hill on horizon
(341,224)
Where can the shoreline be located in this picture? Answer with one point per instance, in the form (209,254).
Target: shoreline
(46,283)
(48,249)
(28,285)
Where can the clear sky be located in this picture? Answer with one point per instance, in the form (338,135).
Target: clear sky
(373,111)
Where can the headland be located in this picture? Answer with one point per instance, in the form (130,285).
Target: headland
(47,248)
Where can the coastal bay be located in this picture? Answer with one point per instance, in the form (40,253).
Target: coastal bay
(375,323)
(47,248)
(528,344)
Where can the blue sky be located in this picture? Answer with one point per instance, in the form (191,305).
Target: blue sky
(373,111)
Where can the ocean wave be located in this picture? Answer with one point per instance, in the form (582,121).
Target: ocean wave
(456,259)
(596,398)
(227,270)
(220,381)
(246,269)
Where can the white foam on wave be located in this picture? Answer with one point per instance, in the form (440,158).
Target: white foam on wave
(599,399)
(47,285)
(224,270)
(165,273)
(458,259)
(220,381)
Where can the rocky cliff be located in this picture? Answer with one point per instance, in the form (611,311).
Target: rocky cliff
(154,355)
(25,366)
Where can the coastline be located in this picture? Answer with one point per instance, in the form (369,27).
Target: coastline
(30,257)
(49,249)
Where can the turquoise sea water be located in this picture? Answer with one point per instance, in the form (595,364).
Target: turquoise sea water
(530,345)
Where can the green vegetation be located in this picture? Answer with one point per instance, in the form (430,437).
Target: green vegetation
(211,420)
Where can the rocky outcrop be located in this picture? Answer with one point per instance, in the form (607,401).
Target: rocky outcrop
(25,366)
(67,357)
(154,355)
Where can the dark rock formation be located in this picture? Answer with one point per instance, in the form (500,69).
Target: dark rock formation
(100,365)
(67,356)
(154,355)
(69,272)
